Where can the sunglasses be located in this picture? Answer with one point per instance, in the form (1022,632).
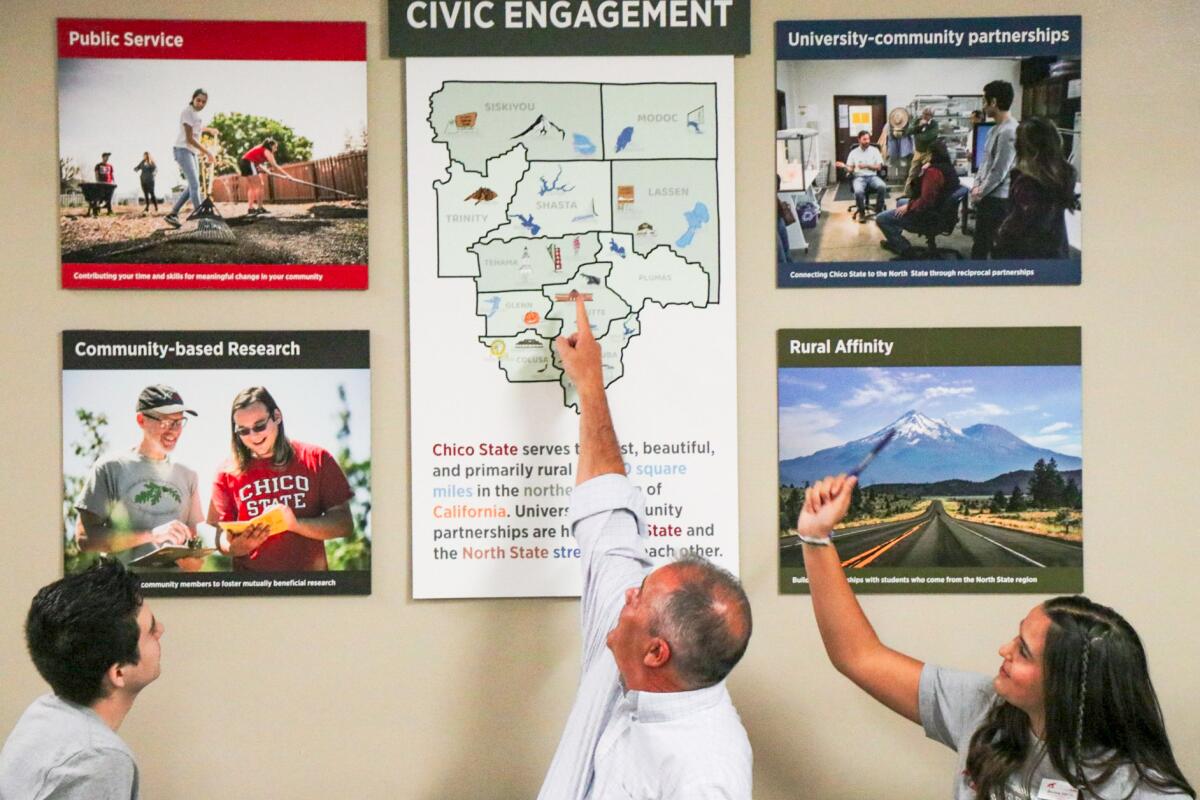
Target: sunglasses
(257,427)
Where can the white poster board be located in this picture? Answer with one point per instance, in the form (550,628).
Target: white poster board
(526,185)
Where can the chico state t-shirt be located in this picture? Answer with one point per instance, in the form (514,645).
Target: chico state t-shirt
(311,484)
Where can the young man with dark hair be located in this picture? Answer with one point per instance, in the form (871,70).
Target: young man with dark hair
(990,192)
(96,643)
(652,716)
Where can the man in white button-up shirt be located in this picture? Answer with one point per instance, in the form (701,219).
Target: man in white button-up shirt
(652,717)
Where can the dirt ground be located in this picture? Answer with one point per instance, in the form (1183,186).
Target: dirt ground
(295,233)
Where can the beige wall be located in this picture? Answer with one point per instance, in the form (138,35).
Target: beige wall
(382,697)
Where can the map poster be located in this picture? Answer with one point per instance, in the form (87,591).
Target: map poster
(219,462)
(929,152)
(971,440)
(204,154)
(529,187)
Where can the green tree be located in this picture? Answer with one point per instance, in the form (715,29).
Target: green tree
(89,448)
(68,176)
(1072,497)
(1016,500)
(999,502)
(352,552)
(240,132)
(857,503)
(789,510)
(1046,486)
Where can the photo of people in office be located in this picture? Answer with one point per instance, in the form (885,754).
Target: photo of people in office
(901,170)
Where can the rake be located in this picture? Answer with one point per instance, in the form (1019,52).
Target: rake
(287,177)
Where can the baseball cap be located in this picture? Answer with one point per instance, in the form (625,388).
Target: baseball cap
(161,399)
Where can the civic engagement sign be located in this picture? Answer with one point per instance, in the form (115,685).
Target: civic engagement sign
(568,27)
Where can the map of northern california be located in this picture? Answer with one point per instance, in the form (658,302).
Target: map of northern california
(555,190)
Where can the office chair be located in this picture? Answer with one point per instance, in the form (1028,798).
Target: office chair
(869,212)
(940,224)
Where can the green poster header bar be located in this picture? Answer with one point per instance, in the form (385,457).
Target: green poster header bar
(568,27)
(927,347)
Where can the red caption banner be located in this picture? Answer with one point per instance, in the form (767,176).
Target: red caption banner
(214,276)
(207,39)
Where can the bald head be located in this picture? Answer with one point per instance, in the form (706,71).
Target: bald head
(705,619)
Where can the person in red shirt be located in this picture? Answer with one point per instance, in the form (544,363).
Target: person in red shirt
(938,180)
(256,163)
(268,471)
(104,174)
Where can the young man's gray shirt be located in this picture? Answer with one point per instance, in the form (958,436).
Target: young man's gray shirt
(63,751)
(999,156)
(128,491)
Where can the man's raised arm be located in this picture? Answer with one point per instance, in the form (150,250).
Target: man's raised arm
(599,451)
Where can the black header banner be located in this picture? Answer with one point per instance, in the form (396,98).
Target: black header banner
(247,584)
(216,350)
(568,27)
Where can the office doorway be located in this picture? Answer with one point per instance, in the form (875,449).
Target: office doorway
(854,113)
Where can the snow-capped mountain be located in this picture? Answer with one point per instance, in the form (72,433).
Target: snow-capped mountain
(926,450)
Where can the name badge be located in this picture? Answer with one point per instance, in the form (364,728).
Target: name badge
(1057,790)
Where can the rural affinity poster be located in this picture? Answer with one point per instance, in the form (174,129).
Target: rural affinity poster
(979,487)
(212,154)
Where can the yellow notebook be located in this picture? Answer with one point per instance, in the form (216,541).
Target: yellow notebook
(273,519)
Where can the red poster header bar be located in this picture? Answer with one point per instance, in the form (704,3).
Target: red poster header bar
(233,40)
(214,276)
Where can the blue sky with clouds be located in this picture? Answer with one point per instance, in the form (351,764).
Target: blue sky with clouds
(828,406)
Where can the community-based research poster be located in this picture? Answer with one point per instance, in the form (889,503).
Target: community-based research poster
(532,182)
(969,445)
(928,152)
(212,154)
(219,462)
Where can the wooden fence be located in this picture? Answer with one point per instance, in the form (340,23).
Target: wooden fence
(346,172)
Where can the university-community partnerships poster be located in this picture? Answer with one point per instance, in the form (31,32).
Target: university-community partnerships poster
(896,145)
(212,154)
(220,462)
(608,179)
(980,488)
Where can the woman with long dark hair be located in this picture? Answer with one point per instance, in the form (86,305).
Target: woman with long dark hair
(938,181)
(1072,701)
(1041,189)
(146,170)
(295,494)
(187,148)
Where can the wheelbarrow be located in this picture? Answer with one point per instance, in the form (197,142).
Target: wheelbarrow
(97,195)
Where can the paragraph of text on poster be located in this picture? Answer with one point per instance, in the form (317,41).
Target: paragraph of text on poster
(497,501)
